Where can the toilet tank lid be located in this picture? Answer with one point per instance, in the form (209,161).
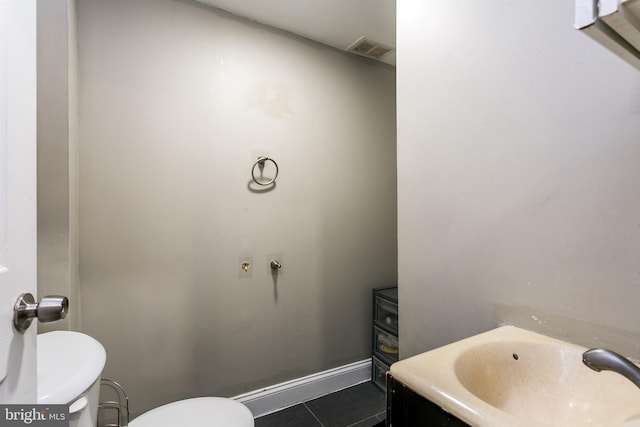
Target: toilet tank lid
(68,364)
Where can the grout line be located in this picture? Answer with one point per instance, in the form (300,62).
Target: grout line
(364,419)
(314,415)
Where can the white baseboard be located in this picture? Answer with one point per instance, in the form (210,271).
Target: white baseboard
(279,396)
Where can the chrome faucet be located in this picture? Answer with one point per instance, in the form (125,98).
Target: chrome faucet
(600,359)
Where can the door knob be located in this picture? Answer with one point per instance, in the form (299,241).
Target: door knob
(49,309)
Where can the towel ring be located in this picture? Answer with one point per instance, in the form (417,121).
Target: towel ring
(261,161)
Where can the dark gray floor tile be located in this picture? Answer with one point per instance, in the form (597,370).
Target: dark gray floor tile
(369,422)
(349,406)
(296,416)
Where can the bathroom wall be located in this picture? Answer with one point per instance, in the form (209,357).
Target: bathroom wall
(57,156)
(177,102)
(518,176)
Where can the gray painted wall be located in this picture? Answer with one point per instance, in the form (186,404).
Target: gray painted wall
(177,102)
(518,176)
(58,157)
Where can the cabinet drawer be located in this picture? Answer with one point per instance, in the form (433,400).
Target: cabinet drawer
(385,314)
(379,373)
(385,345)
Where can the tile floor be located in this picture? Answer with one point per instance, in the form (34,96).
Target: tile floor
(362,405)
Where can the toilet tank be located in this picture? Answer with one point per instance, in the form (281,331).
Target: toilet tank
(70,366)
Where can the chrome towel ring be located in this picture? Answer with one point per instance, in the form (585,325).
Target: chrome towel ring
(260,162)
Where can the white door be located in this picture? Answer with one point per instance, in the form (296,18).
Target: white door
(17,195)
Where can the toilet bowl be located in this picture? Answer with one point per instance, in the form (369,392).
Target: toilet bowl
(69,368)
(197,412)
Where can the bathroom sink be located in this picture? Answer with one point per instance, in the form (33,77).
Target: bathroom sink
(510,377)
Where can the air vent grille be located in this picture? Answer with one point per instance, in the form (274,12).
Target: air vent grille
(369,48)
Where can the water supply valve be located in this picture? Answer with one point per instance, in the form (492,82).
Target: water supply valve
(275,265)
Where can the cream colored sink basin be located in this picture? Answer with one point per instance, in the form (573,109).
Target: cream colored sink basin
(511,377)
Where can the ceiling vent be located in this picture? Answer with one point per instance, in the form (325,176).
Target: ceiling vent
(369,48)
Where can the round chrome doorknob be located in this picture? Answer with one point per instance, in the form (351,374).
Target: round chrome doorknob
(49,309)
(52,308)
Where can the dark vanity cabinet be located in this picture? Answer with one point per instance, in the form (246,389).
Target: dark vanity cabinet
(406,408)
(385,333)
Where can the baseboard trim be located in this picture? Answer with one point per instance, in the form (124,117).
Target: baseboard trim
(279,396)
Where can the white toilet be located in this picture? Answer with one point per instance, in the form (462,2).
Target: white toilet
(69,368)
(197,412)
(70,365)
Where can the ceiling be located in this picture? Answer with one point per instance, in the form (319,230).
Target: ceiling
(337,23)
